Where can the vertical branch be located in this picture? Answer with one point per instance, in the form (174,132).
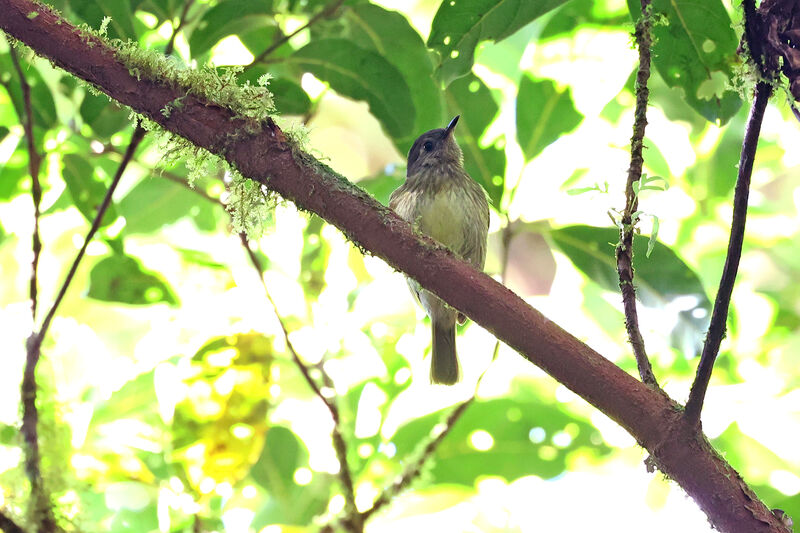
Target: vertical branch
(355,521)
(34,164)
(719,316)
(30,414)
(625,247)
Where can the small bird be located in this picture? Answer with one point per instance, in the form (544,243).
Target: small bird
(442,201)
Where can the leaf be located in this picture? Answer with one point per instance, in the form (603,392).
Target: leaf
(694,50)
(530,265)
(155,202)
(528,437)
(472,99)
(228,18)
(93,12)
(459,26)
(105,117)
(543,115)
(290,98)
(86,188)
(389,34)
(282,454)
(120,278)
(661,280)
(382,186)
(44,107)
(362,75)
(578,13)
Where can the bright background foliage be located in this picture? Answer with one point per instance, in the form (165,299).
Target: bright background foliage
(167,394)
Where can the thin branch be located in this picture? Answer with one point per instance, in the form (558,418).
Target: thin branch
(325,12)
(355,521)
(625,247)
(8,525)
(719,316)
(30,415)
(34,164)
(41,501)
(181,21)
(415,468)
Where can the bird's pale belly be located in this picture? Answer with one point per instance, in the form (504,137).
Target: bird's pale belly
(444,218)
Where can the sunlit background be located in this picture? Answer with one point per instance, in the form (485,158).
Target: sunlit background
(154,413)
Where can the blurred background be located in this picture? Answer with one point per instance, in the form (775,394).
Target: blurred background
(168,398)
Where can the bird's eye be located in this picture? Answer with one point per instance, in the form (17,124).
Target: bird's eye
(428,146)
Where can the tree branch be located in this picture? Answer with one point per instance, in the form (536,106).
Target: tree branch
(34,164)
(8,525)
(325,12)
(624,250)
(355,521)
(263,152)
(719,316)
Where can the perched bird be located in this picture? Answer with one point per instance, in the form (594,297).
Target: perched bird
(441,200)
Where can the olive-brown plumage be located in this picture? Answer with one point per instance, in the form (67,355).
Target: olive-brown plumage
(442,201)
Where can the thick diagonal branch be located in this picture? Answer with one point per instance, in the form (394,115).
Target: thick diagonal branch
(719,316)
(644,41)
(267,156)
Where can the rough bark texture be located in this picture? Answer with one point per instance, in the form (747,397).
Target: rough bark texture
(679,450)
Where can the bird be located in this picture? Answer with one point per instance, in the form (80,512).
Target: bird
(442,201)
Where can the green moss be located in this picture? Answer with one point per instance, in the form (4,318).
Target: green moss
(33,14)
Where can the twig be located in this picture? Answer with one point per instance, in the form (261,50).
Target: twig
(416,467)
(625,247)
(354,519)
(414,470)
(719,316)
(34,164)
(325,12)
(30,416)
(181,21)
(8,525)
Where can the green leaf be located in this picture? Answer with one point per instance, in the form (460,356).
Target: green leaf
(389,34)
(93,12)
(382,186)
(228,18)
(528,437)
(543,115)
(362,75)
(44,107)
(694,50)
(472,99)
(660,280)
(290,98)
(155,202)
(135,399)
(86,188)
(120,278)
(105,117)
(459,26)
(577,13)
(282,454)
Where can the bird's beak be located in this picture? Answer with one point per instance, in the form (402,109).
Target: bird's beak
(450,127)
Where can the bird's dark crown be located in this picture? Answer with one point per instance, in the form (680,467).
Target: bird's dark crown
(434,148)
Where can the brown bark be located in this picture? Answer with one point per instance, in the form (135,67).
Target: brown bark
(680,451)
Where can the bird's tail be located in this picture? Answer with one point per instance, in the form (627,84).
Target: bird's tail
(444,363)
